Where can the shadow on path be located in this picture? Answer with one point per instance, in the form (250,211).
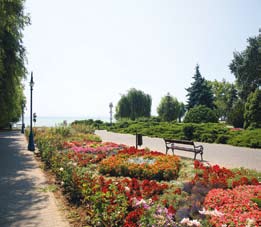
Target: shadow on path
(20,198)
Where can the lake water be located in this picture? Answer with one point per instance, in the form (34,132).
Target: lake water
(53,121)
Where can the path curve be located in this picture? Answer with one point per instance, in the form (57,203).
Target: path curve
(23,201)
(224,155)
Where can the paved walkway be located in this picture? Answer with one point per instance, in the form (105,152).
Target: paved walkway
(224,155)
(22,202)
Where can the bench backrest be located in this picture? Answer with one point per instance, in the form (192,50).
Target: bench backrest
(187,142)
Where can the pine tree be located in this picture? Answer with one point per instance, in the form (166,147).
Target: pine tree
(200,92)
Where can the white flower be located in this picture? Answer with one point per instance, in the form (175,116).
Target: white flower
(127,189)
(184,221)
(190,222)
(195,222)
(62,183)
(250,222)
(141,202)
(61,169)
(215,212)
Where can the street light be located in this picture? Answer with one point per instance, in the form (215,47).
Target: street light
(23,126)
(31,135)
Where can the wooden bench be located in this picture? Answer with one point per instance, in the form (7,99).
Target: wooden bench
(190,147)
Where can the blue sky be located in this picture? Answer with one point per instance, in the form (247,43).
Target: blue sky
(85,54)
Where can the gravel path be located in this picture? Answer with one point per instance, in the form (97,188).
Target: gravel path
(224,155)
(23,201)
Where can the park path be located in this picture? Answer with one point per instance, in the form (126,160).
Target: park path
(224,155)
(23,201)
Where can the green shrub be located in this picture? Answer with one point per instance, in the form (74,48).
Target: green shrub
(222,139)
(208,138)
(246,138)
(200,114)
(236,115)
(188,131)
(252,113)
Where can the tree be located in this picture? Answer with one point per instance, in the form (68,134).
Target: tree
(12,58)
(169,108)
(236,115)
(225,95)
(182,110)
(246,68)
(252,113)
(199,93)
(200,114)
(133,105)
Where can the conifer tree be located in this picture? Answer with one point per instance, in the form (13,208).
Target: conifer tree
(200,92)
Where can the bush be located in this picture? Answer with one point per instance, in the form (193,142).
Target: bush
(222,139)
(208,137)
(188,131)
(236,116)
(252,114)
(246,138)
(201,114)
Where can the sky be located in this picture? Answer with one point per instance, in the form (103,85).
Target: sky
(85,54)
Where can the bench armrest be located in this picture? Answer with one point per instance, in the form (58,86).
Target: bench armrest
(199,146)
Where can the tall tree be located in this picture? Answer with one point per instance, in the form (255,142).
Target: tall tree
(169,108)
(134,105)
(225,95)
(12,59)
(200,93)
(252,113)
(246,67)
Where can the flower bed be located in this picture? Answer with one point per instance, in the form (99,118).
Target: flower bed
(120,186)
(141,164)
(235,206)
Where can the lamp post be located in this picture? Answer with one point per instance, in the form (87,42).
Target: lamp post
(31,135)
(110,105)
(23,126)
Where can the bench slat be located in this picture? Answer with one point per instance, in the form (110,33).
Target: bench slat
(180,141)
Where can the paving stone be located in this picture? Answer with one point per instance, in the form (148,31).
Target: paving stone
(22,204)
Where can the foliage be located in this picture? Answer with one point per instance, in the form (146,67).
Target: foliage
(225,95)
(252,113)
(200,114)
(182,111)
(246,138)
(188,131)
(246,68)
(204,132)
(133,105)
(169,108)
(12,58)
(200,92)
(236,115)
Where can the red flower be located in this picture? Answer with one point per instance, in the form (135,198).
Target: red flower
(171,210)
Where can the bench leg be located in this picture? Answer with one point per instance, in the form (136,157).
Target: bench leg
(201,156)
(195,154)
